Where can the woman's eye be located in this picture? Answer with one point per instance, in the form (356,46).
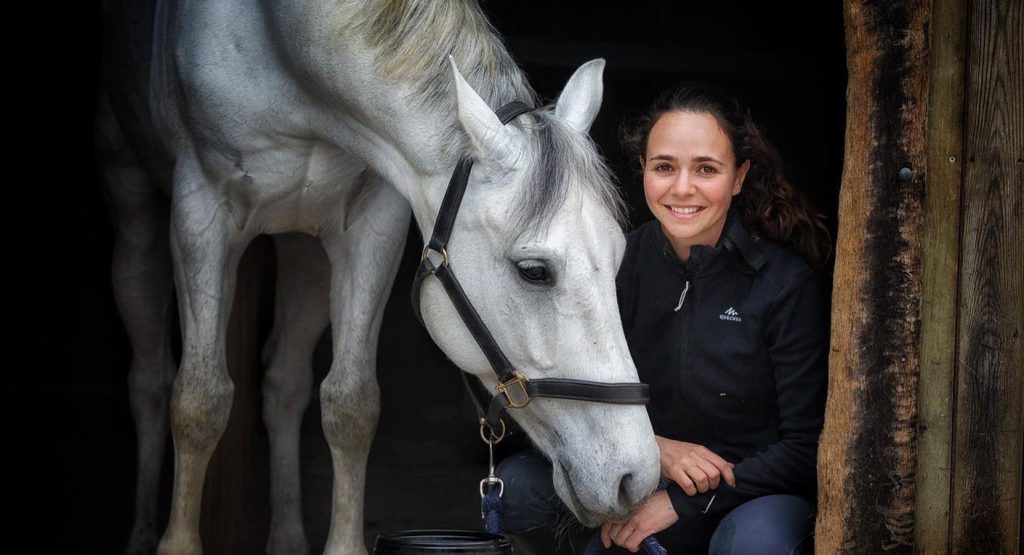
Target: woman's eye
(662,168)
(706,170)
(534,271)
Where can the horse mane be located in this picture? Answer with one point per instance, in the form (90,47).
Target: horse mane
(410,38)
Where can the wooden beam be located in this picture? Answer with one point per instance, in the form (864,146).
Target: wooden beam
(986,491)
(939,288)
(867,454)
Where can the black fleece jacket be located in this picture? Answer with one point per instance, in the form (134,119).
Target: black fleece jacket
(733,343)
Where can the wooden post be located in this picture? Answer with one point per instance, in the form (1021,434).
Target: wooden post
(986,487)
(940,251)
(867,458)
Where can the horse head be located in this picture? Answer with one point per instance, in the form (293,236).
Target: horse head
(536,246)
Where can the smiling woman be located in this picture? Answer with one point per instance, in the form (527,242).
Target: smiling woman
(738,368)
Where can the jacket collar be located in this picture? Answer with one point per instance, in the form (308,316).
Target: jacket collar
(734,239)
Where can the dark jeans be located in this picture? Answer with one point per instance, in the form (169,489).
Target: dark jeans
(769,525)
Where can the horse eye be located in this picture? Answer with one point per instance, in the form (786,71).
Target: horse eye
(534,271)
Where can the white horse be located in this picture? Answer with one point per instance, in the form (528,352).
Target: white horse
(330,120)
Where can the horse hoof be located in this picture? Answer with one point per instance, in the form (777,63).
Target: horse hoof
(179,546)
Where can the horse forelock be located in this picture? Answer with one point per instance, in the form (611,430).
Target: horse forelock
(413,38)
(561,157)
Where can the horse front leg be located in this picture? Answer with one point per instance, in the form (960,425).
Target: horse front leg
(300,316)
(205,246)
(364,259)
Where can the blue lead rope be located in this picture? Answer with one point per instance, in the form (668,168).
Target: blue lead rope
(650,545)
(490,506)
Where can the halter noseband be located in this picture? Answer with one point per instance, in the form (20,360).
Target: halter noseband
(514,389)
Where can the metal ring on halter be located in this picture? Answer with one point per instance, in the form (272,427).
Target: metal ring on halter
(494,438)
(427,251)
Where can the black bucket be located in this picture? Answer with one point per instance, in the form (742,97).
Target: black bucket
(442,541)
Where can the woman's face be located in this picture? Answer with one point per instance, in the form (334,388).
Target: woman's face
(690,177)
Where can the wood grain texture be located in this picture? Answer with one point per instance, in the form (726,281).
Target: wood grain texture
(986,491)
(939,287)
(867,460)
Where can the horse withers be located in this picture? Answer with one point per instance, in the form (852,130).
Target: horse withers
(336,120)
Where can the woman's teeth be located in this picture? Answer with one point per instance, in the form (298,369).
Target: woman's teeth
(685,211)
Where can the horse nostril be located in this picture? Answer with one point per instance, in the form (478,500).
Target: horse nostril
(626,497)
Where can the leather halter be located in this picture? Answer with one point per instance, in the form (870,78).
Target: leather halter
(514,389)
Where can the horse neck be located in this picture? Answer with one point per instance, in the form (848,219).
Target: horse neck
(423,148)
(396,84)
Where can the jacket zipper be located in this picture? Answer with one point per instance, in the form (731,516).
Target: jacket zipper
(682,353)
(682,297)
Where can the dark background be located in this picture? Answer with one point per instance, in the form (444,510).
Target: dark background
(72,438)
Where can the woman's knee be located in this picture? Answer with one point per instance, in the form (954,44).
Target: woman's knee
(769,525)
(529,500)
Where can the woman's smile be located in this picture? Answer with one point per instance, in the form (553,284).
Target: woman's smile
(685,212)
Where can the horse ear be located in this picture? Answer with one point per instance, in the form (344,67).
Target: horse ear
(581,99)
(488,136)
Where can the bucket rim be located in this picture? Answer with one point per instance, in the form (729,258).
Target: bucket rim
(443,538)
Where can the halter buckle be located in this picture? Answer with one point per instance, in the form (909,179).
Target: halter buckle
(436,258)
(517,397)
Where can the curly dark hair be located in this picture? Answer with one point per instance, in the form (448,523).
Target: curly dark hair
(770,206)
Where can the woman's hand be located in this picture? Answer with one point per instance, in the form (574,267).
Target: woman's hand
(694,467)
(655,515)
